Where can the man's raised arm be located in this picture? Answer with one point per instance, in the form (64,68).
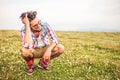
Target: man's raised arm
(27,37)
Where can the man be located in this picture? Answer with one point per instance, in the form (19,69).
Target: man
(39,41)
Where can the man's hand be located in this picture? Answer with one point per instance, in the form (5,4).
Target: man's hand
(25,20)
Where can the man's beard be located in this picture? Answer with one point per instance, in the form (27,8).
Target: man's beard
(36,30)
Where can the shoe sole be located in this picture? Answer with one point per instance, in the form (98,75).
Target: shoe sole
(29,73)
(44,69)
(40,67)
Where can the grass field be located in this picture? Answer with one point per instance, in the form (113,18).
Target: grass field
(87,56)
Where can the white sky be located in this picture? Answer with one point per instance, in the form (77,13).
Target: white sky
(80,15)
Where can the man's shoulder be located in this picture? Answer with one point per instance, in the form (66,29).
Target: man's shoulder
(44,24)
(22,29)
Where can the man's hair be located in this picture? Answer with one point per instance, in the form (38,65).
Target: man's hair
(30,14)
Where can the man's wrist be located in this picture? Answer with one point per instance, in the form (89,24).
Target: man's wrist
(27,26)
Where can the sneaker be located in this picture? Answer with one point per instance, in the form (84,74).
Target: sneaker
(30,70)
(44,64)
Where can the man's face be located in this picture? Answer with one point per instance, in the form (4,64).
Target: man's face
(35,24)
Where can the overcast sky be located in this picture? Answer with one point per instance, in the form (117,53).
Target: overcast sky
(80,15)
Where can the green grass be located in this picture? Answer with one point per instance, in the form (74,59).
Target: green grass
(87,56)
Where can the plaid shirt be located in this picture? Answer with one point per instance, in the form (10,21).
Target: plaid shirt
(46,36)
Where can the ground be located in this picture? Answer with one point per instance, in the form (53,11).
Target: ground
(87,56)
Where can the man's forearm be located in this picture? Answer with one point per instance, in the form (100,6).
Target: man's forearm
(52,45)
(49,50)
(28,37)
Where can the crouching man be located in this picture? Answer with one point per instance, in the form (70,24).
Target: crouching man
(39,41)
